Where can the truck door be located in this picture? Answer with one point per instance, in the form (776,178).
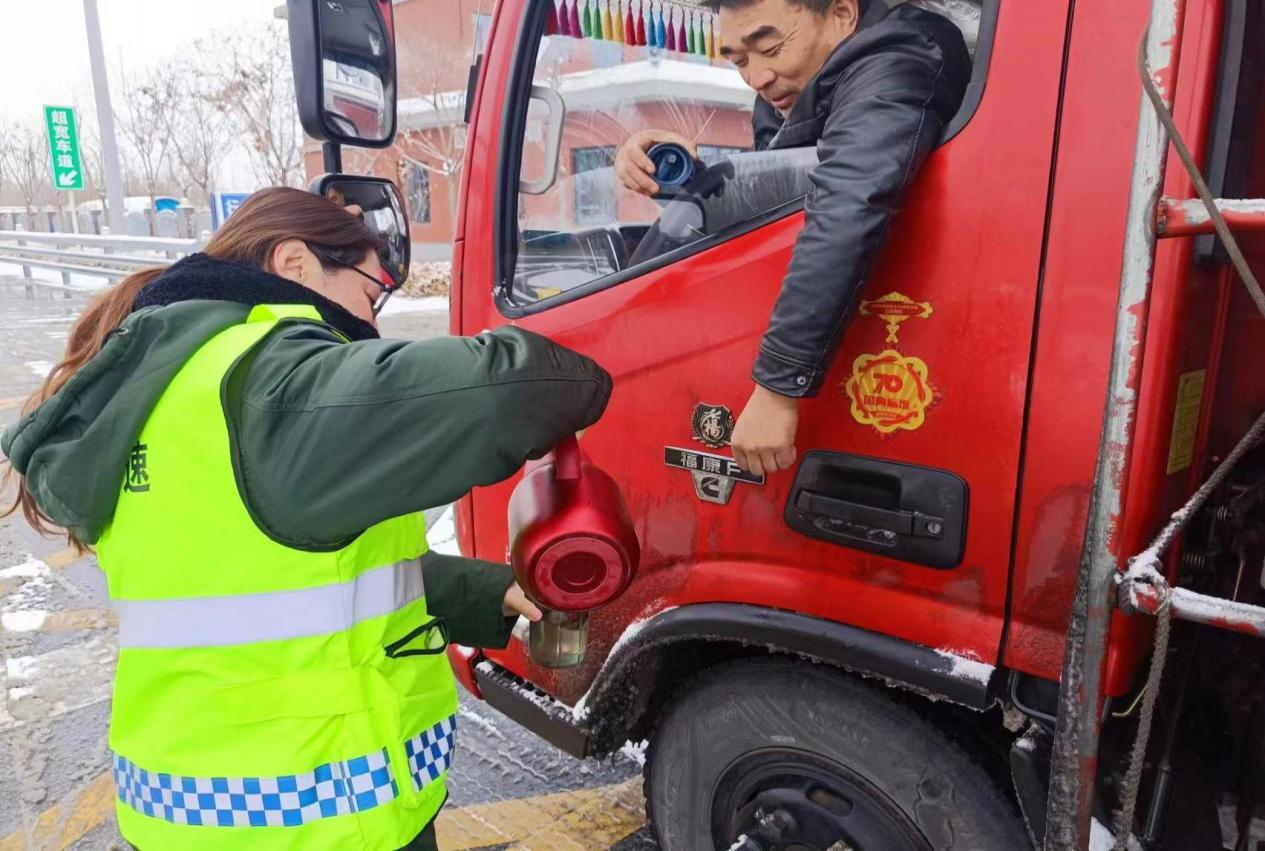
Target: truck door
(899,519)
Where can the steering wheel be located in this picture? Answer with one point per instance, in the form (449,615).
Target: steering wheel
(685,213)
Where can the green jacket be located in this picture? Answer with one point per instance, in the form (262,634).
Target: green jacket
(328,436)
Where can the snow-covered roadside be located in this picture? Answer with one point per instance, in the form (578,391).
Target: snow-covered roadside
(1102,839)
(77,279)
(398,304)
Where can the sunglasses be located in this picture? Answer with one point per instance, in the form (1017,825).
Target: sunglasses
(388,287)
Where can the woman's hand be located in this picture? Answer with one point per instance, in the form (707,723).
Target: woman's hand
(516,603)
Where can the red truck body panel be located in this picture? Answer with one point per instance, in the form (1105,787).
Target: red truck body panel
(1013,238)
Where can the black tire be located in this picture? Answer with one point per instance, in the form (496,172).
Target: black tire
(739,724)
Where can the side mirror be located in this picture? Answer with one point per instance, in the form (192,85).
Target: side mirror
(384,214)
(343,53)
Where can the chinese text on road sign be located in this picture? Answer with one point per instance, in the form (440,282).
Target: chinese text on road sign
(63,141)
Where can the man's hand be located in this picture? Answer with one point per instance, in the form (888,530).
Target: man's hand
(764,437)
(516,603)
(634,169)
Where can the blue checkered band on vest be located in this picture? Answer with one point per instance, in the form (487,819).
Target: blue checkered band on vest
(334,789)
(430,753)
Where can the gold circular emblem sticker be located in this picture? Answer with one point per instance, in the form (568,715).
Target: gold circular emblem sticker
(889,391)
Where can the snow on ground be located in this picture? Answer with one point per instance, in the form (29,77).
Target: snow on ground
(24,608)
(48,276)
(442,537)
(636,751)
(397,304)
(1102,839)
(56,681)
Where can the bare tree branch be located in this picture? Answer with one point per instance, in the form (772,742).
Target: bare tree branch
(253,84)
(6,143)
(200,130)
(92,157)
(432,131)
(27,164)
(147,104)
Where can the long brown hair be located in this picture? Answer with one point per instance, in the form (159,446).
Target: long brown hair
(263,221)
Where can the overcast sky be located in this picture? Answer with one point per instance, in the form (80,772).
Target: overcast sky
(44,52)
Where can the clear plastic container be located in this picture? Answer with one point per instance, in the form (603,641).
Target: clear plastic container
(559,639)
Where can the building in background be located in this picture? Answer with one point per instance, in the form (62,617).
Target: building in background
(620,66)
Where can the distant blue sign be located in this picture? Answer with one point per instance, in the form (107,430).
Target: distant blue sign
(165,203)
(223,205)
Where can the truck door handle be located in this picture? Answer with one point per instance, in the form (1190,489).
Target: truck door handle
(893,521)
(906,512)
(553,141)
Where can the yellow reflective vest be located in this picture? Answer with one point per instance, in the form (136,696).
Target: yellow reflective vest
(266,697)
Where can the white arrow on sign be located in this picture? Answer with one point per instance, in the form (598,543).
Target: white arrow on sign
(67,178)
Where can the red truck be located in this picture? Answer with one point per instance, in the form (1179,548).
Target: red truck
(935,631)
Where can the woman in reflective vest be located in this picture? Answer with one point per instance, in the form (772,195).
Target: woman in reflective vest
(250,460)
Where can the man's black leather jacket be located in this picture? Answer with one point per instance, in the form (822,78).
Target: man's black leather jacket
(875,111)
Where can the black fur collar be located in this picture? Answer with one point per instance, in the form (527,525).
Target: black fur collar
(199,276)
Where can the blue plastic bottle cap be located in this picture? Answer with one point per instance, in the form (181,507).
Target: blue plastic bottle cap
(673,165)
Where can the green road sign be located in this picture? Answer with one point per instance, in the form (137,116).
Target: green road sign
(63,142)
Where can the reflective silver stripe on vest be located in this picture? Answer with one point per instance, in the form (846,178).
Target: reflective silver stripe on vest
(277,615)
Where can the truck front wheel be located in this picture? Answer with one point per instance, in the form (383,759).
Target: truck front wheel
(799,756)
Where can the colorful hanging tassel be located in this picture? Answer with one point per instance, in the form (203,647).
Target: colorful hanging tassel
(689,36)
(586,20)
(551,22)
(598,11)
(710,47)
(667,37)
(680,33)
(630,28)
(617,22)
(642,14)
(573,19)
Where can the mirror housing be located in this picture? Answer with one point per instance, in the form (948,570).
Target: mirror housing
(343,55)
(384,214)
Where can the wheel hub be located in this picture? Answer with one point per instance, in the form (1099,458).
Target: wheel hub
(787,800)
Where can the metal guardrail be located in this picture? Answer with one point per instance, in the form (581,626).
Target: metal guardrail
(109,257)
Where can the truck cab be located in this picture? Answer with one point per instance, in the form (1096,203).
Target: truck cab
(868,649)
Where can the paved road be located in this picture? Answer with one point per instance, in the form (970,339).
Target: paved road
(509,790)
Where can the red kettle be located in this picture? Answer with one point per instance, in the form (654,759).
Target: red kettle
(572,546)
